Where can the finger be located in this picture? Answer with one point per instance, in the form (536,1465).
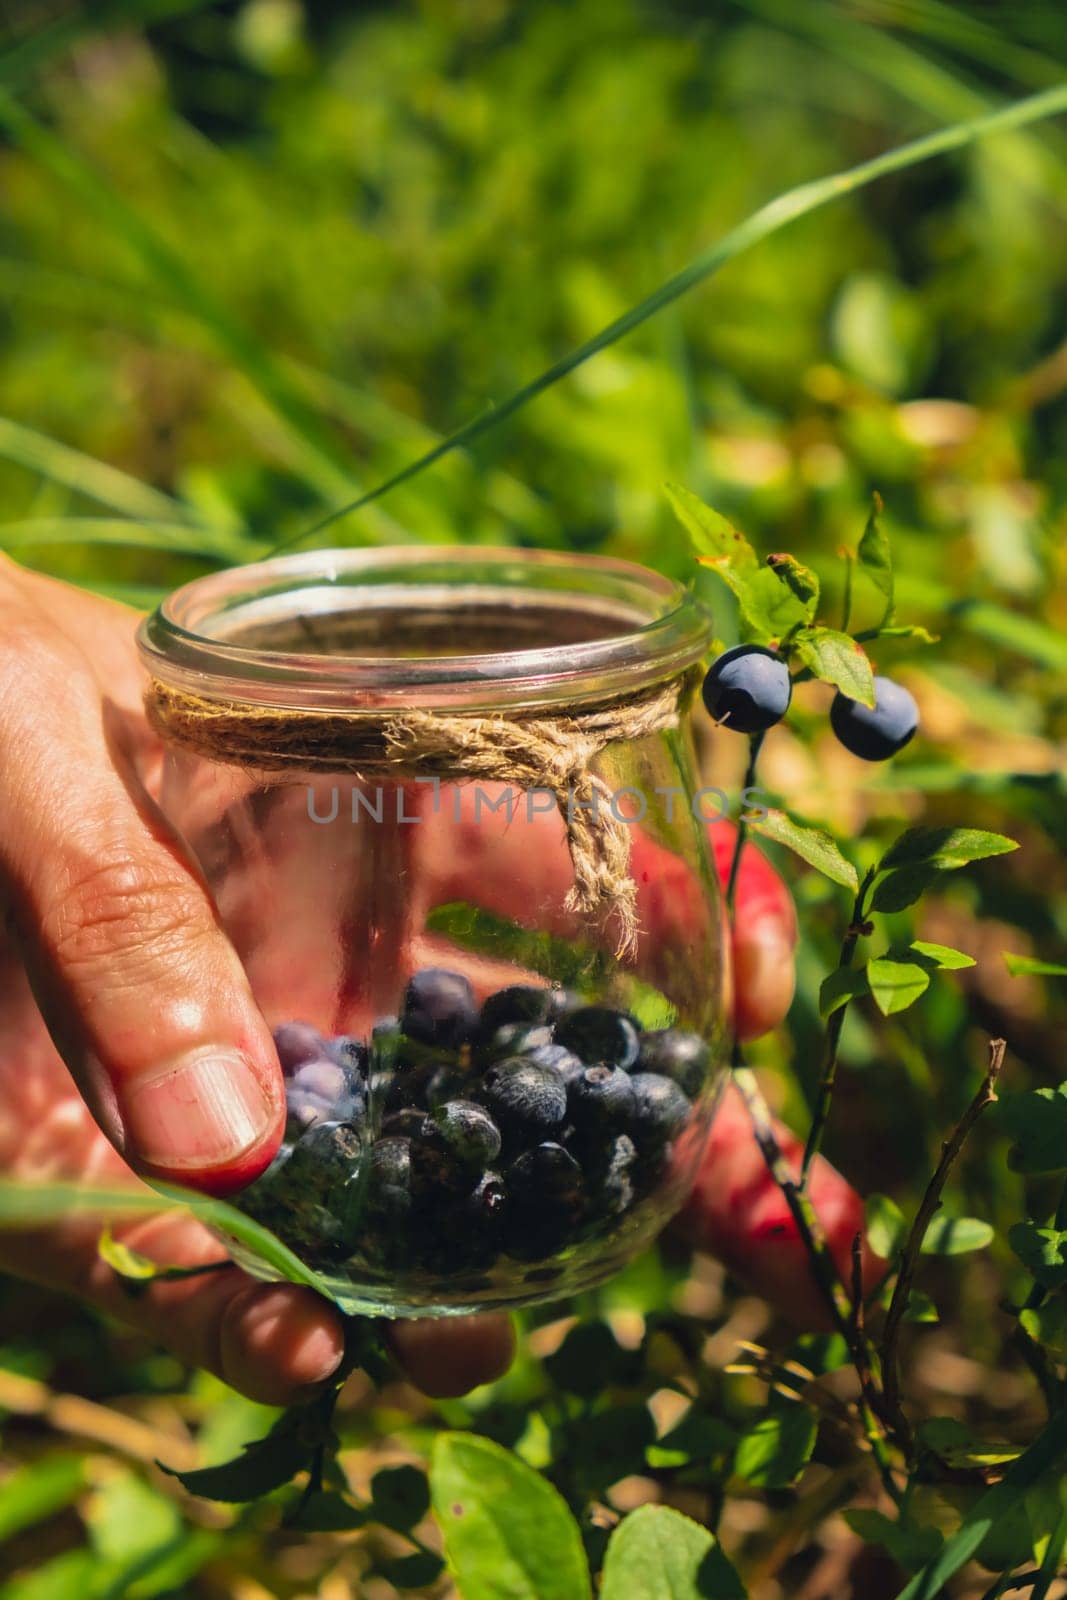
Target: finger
(737,1213)
(143,995)
(764,936)
(446,1359)
(273,1342)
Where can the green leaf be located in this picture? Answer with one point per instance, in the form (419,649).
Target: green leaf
(885,1225)
(611,1445)
(910,1546)
(1031,966)
(841,986)
(920,1308)
(1048,1325)
(659,1554)
(993,1508)
(876,559)
(902,888)
(508,1533)
(956,1236)
(942,955)
(836,658)
(769,606)
(591,1359)
(35,1492)
(811,844)
(136,1268)
(945,847)
(800,579)
(1037,1122)
(910,630)
(715,541)
(400,1497)
(1042,1251)
(263,1466)
(71,1576)
(896,984)
(772,1454)
(416,1571)
(326,1511)
(698,1437)
(953,1443)
(128,1518)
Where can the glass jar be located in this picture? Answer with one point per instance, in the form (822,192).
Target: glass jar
(444,800)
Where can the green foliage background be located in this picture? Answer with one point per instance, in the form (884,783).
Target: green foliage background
(255,257)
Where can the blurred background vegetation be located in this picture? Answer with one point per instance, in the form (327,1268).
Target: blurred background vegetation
(256,256)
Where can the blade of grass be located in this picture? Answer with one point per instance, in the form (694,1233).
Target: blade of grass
(167,537)
(1046,1453)
(777,213)
(95,479)
(911,73)
(969,35)
(321,459)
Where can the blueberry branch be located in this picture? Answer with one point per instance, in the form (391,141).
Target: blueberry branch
(857,928)
(931,1201)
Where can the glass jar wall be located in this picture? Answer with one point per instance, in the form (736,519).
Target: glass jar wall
(445,804)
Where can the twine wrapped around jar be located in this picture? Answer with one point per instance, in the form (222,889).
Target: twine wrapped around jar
(533,752)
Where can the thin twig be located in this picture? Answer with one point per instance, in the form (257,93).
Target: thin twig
(931,1202)
(754,747)
(823,1267)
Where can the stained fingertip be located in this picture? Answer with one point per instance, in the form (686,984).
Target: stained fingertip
(448,1359)
(277,1341)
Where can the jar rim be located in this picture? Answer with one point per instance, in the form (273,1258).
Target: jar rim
(646,629)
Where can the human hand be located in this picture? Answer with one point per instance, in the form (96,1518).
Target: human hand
(114,943)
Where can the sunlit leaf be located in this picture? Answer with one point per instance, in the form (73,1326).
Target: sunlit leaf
(885,1225)
(659,1554)
(945,847)
(896,984)
(508,1533)
(837,659)
(773,1453)
(956,1236)
(876,559)
(811,844)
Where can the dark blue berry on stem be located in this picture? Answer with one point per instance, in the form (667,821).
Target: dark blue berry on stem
(527,1100)
(748,689)
(875,735)
(600,1035)
(439,1009)
(683,1057)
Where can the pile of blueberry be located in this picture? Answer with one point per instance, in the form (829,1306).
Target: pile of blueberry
(457,1135)
(749,689)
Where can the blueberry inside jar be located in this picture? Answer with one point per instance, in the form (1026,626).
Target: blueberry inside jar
(446,803)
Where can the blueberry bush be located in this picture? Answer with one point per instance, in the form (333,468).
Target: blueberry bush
(266,261)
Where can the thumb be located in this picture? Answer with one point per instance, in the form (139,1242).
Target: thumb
(142,993)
